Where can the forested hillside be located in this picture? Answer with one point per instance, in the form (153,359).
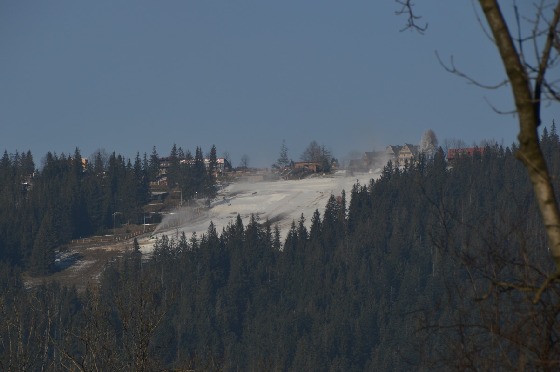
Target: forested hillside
(68,197)
(434,266)
(43,209)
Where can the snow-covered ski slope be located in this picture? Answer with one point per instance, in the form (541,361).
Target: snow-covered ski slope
(281,202)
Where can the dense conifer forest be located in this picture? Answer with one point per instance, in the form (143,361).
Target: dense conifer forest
(68,197)
(433,266)
(44,209)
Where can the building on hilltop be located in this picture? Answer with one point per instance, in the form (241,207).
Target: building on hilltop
(392,153)
(408,153)
(399,155)
(310,166)
(454,154)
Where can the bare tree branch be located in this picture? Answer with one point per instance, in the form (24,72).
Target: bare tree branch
(412,19)
(546,54)
(498,111)
(550,91)
(451,68)
(545,285)
(481,23)
(527,103)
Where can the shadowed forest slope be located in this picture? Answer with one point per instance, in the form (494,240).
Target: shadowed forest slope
(432,266)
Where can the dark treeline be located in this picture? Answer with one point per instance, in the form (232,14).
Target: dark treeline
(43,208)
(432,266)
(190,173)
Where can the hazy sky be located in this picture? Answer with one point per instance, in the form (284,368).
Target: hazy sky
(244,75)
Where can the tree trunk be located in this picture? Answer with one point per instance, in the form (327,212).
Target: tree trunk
(527,104)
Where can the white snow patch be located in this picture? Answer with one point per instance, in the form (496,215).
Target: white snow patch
(279,201)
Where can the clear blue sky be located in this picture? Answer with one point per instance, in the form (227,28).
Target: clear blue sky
(244,75)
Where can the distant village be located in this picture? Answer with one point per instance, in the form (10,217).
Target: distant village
(396,154)
(400,155)
(370,161)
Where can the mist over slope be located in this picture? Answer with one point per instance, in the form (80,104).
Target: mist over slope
(281,202)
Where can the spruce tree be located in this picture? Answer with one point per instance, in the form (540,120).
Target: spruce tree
(43,252)
(153,170)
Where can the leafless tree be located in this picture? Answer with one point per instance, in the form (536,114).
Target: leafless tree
(244,161)
(530,87)
(429,143)
(518,298)
(318,154)
(453,143)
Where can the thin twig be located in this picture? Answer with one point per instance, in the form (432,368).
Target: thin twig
(453,70)
(412,18)
(496,110)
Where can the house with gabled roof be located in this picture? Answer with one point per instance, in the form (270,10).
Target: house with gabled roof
(407,154)
(399,155)
(392,153)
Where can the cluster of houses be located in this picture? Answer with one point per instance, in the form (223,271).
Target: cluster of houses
(407,153)
(294,170)
(397,154)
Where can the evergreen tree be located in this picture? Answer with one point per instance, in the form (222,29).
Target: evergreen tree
(213,161)
(43,253)
(276,244)
(315,232)
(141,186)
(173,176)
(153,170)
(211,173)
(198,177)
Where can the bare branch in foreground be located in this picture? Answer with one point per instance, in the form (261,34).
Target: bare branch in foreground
(412,18)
